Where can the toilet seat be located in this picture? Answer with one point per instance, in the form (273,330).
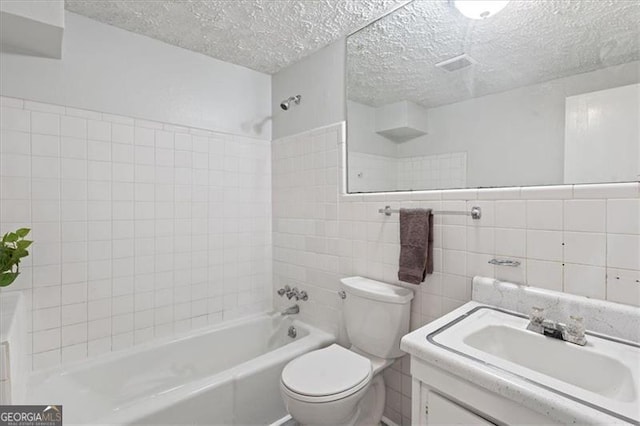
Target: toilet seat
(327,374)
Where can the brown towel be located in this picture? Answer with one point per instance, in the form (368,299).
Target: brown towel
(416,245)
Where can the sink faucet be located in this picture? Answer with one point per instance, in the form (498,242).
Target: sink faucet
(573,332)
(291,310)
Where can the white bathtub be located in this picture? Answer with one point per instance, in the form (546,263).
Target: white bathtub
(229,374)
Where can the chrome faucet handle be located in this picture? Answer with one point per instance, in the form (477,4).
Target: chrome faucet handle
(291,292)
(282,291)
(536,319)
(304,296)
(574,331)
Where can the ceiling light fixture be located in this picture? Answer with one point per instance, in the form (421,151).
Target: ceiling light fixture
(479,9)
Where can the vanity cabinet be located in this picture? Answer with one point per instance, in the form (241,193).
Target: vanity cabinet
(441,398)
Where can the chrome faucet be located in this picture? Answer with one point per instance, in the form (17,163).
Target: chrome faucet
(574,332)
(293,292)
(291,310)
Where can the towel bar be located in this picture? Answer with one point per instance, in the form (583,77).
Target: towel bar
(475,213)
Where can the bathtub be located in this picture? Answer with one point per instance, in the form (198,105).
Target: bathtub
(228,374)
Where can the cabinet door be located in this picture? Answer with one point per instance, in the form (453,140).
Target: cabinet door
(445,412)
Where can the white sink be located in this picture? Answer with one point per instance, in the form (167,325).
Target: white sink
(604,374)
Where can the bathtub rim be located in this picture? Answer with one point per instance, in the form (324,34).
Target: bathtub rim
(152,403)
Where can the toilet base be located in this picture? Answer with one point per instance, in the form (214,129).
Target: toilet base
(364,408)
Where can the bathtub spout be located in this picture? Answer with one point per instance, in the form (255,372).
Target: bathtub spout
(292,310)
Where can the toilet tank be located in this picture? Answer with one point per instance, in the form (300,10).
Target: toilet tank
(376,315)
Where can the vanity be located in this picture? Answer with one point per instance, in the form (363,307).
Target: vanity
(489,361)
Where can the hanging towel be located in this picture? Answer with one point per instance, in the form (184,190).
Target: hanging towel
(416,245)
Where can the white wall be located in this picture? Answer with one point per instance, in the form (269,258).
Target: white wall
(319,78)
(602,137)
(514,137)
(361,134)
(110,70)
(141,229)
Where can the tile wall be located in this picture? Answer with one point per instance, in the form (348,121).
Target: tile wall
(141,229)
(579,239)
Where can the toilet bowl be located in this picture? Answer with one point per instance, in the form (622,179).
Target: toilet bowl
(339,386)
(334,386)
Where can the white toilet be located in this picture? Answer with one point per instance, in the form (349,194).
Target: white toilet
(338,386)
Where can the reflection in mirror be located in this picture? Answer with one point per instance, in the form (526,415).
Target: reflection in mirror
(541,92)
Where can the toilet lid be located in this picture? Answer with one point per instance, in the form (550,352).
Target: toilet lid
(326,372)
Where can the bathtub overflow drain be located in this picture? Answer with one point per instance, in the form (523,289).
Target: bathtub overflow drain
(292,332)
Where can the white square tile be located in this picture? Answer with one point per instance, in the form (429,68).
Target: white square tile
(74,314)
(44,189)
(73,126)
(46,340)
(73,148)
(510,214)
(545,274)
(99,130)
(73,168)
(99,150)
(583,280)
(45,123)
(145,137)
(623,286)
(510,242)
(74,334)
(164,139)
(544,245)
(585,247)
(585,215)
(73,273)
(15,119)
(454,237)
(623,251)
(73,189)
(99,170)
(46,210)
(45,319)
(15,211)
(99,190)
(45,167)
(15,165)
(623,216)
(544,214)
(122,133)
(122,153)
(12,142)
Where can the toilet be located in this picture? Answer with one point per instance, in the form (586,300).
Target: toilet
(339,386)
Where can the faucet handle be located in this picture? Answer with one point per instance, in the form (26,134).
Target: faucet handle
(284,290)
(536,315)
(575,330)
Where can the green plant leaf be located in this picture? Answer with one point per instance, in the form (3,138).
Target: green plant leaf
(7,278)
(22,232)
(21,245)
(10,237)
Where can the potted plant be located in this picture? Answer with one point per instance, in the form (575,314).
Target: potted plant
(13,248)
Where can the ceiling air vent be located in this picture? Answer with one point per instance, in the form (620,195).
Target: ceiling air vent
(457,63)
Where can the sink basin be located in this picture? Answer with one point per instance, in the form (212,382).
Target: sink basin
(604,374)
(567,362)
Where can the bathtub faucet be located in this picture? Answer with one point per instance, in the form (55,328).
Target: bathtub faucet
(292,310)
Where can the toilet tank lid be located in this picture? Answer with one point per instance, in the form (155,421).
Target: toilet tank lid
(376,290)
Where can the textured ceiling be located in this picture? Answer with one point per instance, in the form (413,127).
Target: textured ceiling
(530,41)
(265,35)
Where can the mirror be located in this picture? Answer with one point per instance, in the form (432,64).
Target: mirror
(542,92)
